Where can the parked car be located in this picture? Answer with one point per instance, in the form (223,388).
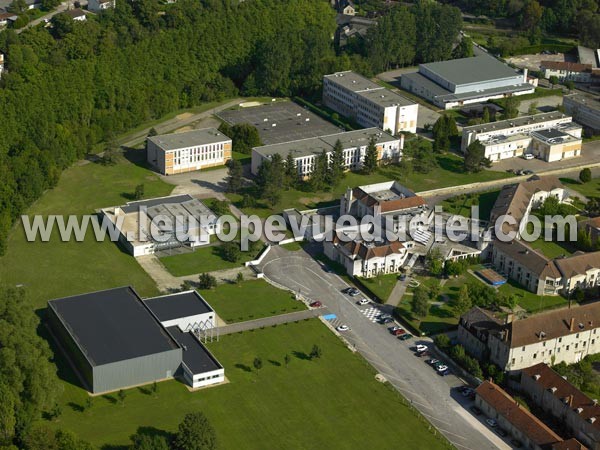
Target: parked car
(516,443)
(422,354)
(386,320)
(343,328)
(432,361)
(441,368)
(398,332)
(445,372)
(316,304)
(421,348)
(501,432)
(475,410)
(363,301)
(528,156)
(466,392)
(528,172)
(491,422)
(405,337)
(402,277)
(354,293)
(393,328)
(351,291)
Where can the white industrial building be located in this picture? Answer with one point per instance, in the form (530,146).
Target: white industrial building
(188,151)
(458,82)
(585,110)
(148,226)
(370,104)
(355,143)
(549,136)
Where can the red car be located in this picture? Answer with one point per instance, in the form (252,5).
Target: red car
(316,304)
(398,332)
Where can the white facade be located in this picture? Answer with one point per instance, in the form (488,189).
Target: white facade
(584,109)
(368,103)
(203,379)
(100,5)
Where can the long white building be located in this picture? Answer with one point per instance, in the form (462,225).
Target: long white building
(355,143)
(185,152)
(371,105)
(549,136)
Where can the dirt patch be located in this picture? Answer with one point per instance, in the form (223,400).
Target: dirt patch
(184,116)
(184,129)
(532,62)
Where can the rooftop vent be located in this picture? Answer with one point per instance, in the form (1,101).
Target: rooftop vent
(537,376)
(552,389)
(592,419)
(581,326)
(579,410)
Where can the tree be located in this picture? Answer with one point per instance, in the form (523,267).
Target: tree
(121,395)
(318,177)
(570,85)
(550,206)
(486,118)
(230,251)
(243,135)
(206,281)
(419,304)
(143,441)
(195,433)
(585,176)
(370,161)
(18,6)
(475,159)
(442,341)
(443,129)
(434,291)
(291,171)
(287,359)
(152,132)
(41,437)
(533,108)
(220,207)
(337,164)
(139,192)
(435,263)
(418,154)
(234,176)
(463,302)
(257,363)
(316,352)
(553,80)
(88,403)
(511,107)
(239,278)
(62,25)
(464,49)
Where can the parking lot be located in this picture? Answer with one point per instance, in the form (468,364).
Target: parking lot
(280,121)
(395,359)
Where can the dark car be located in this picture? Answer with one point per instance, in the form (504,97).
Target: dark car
(316,304)
(528,172)
(501,432)
(475,410)
(386,320)
(402,277)
(405,337)
(445,372)
(516,443)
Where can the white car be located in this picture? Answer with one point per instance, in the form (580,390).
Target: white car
(343,328)
(528,156)
(441,368)
(421,348)
(363,301)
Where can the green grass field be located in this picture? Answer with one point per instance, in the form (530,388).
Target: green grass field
(462,204)
(203,259)
(55,269)
(333,402)
(250,300)
(591,189)
(382,285)
(530,301)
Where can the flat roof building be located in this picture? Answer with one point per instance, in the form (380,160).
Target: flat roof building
(448,84)
(147,226)
(116,340)
(354,143)
(549,136)
(368,103)
(188,151)
(585,110)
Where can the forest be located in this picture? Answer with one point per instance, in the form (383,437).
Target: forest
(74,85)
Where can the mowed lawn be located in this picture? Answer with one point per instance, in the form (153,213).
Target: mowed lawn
(333,402)
(55,269)
(590,190)
(250,300)
(203,259)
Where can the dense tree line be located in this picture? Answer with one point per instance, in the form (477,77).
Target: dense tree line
(28,382)
(424,32)
(75,85)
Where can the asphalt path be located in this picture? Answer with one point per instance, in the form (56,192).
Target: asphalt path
(436,397)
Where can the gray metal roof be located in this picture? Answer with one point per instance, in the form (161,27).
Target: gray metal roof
(516,122)
(175,306)
(587,56)
(475,69)
(586,100)
(368,89)
(112,325)
(314,146)
(186,139)
(195,355)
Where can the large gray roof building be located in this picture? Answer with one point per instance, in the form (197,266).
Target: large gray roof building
(116,340)
(457,82)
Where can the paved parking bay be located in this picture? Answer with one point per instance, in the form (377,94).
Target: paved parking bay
(394,359)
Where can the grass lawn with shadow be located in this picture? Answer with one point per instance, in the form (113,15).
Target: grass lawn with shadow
(249,300)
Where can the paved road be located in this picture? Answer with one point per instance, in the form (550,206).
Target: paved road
(270,321)
(433,395)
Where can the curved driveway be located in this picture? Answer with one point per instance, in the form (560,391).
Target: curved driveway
(433,395)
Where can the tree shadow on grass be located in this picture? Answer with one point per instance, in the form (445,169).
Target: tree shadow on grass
(144,390)
(115,447)
(112,400)
(275,363)
(301,355)
(243,367)
(76,407)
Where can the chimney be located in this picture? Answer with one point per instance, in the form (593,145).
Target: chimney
(572,324)
(571,400)
(509,318)
(525,73)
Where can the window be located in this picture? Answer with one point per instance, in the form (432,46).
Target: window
(559,339)
(568,347)
(523,349)
(534,355)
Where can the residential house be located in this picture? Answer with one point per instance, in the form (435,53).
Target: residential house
(6,18)
(474,328)
(567,71)
(77,14)
(346,7)
(98,6)
(555,396)
(521,424)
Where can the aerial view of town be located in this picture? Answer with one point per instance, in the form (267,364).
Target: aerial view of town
(299,224)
